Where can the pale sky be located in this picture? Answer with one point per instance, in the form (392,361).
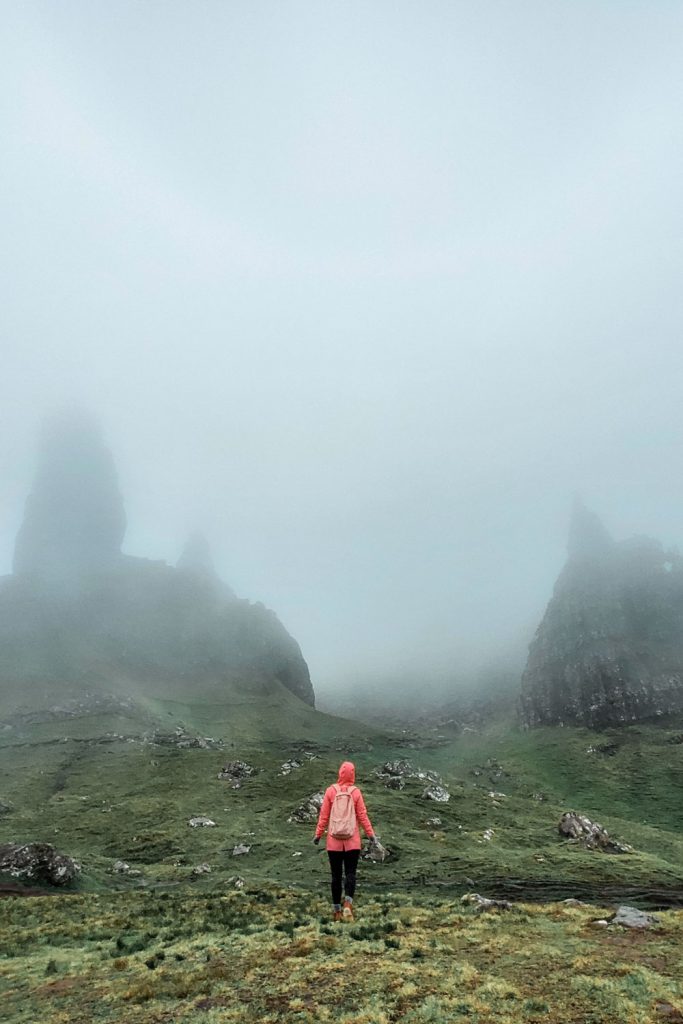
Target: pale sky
(364,290)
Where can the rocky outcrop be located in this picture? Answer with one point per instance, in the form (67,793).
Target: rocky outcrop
(74,519)
(38,862)
(79,616)
(577,828)
(609,649)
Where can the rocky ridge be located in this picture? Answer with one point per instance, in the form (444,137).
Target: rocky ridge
(609,649)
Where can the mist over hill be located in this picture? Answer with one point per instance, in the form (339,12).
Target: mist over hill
(78,617)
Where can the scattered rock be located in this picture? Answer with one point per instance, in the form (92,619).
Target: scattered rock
(200,869)
(436,792)
(483,903)
(394,782)
(240,850)
(487,835)
(497,796)
(668,1012)
(572,902)
(236,881)
(290,766)
(38,862)
(600,923)
(235,772)
(375,852)
(308,810)
(183,740)
(121,867)
(201,822)
(434,822)
(298,853)
(630,917)
(577,828)
(540,797)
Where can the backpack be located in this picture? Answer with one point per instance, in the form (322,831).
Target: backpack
(343,814)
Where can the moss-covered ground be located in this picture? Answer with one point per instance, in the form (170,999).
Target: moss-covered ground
(269,955)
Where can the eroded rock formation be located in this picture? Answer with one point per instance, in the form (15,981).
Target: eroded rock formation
(79,616)
(609,649)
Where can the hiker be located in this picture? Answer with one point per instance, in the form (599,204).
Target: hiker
(342,808)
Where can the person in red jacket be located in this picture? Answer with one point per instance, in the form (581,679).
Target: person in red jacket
(344,853)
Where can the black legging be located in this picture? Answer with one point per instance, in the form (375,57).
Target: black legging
(348,860)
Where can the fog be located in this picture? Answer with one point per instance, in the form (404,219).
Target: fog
(364,291)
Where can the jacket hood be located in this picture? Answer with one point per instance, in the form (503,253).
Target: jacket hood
(347,773)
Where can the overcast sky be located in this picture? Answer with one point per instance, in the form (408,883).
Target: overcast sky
(364,290)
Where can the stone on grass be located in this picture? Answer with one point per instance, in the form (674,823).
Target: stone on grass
(235,772)
(240,849)
(631,917)
(483,903)
(290,766)
(308,810)
(200,869)
(200,821)
(5,807)
(436,792)
(236,881)
(577,828)
(38,862)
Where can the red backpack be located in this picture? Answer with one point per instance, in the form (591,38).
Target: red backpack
(343,814)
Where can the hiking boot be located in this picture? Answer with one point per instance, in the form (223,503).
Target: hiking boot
(347,912)
(337,915)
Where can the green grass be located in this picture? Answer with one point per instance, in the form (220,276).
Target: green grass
(103,801)
(269,954)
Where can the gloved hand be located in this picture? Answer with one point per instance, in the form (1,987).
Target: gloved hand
(316,840)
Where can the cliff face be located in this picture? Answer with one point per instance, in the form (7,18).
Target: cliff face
(609,649)
(74,519)
(78,616)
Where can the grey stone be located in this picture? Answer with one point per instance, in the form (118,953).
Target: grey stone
(308,810)
(482,903)
(240,850)
(577,828)
(631,917)
(38,862)
(200,821)
(437,793)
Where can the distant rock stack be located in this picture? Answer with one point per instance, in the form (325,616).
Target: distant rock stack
(74,519)
(609,649)
(78,616)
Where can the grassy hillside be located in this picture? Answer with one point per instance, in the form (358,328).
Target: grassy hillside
(99,791)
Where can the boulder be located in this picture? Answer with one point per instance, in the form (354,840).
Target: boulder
(235,772)
(200,821)
(240,849)
(482,903)
(630,917)
(308,810)
(437,793)
(577,828)
(38,862)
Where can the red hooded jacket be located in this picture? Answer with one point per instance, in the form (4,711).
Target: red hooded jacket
(347,775)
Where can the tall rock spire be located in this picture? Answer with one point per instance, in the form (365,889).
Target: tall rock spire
(588,538)
(74,519)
